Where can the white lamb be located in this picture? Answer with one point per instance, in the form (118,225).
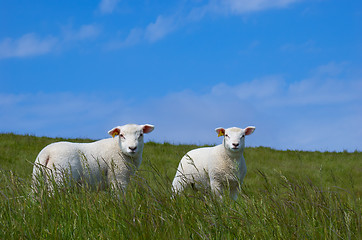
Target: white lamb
(99,164)
(221,167)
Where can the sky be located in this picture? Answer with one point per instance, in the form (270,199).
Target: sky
(291,68)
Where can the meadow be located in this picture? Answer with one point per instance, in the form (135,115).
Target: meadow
(286,195)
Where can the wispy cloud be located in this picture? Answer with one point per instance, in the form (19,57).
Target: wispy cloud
(327,84)
(305,114)
(135,36)
(31,44)
(237,7)
(308,46)
(27,45)
(160,28)
(244,6)
(261,88)
(57,114)
(87,31)
(321,112)
(153,32)
(108,6)
(164,25)
(331,69)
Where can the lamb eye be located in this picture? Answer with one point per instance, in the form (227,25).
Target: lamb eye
(122,136)
(226,135)
(141,135)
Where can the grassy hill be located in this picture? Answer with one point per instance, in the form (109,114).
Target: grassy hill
(286,194)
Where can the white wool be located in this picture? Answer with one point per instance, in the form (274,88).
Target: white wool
(98,164)
(221,167)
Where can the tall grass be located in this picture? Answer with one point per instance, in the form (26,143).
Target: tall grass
(286,195)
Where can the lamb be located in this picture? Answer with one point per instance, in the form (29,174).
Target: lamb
(106,162)
(220,168)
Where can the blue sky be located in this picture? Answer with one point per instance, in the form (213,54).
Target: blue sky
(292,68)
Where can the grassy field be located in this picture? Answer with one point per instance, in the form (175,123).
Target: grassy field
(286,195)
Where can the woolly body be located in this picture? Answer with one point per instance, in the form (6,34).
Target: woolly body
(220,167)
(97,164)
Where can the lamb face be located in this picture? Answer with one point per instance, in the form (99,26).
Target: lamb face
(234,138)
(131,138)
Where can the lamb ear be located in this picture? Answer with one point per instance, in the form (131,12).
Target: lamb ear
(115,131)
(220,131)
(249,130)
(147,128)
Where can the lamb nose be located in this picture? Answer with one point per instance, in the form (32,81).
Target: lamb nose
(132,148)
(235,144)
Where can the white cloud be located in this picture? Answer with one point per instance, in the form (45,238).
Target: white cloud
(311,114)
(10,99)
(306,115)
(134,37)
(27,45)
(321,91)
(57,114)
(237,7)
(327,85)
(309,46)
(108,6)
(154,31)
(84,32)
(261,88)
(165,25)
(160,28)
(244,6)
(30,44)
(331,69)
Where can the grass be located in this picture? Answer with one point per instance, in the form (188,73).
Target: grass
(286,195)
